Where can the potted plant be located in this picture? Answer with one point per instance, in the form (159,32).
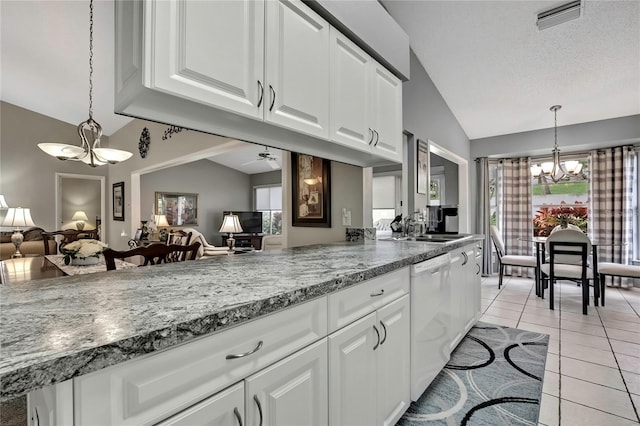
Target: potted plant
(83,252)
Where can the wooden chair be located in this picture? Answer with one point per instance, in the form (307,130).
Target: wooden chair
(66,236)
(179,237)
(510,259)
(153,254)
(568,252)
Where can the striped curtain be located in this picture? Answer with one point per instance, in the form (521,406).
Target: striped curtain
(611,208)
(483,218)
(516,218)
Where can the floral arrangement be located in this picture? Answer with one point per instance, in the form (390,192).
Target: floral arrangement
(548,217)
(82,249)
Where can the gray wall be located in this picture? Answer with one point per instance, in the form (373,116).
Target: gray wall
(266,178)
(218,187)
(80,194)
(27,174)
(450,178)
(577,137)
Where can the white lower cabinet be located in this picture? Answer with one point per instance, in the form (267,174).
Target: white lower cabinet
(464,292)
(290,392)
(369,362)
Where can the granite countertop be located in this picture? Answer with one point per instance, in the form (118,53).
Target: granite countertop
(56,329)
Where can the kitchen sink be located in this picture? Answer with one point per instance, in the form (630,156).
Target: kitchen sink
(431,238)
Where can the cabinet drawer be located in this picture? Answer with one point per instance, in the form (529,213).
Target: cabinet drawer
(355,302)
(148,389)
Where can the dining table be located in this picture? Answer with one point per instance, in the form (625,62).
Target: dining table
(37,267)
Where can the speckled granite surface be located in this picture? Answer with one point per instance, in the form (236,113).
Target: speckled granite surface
(55,329)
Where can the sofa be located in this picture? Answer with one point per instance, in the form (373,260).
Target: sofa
(32,243)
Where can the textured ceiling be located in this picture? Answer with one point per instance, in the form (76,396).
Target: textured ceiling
(499,74)
(496,72)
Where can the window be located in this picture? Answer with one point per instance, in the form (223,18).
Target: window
(268,200)
(384,190)
(562,202)
(636,211)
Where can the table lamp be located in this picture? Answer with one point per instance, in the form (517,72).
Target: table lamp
(80,217)
(231,224)
(17,217)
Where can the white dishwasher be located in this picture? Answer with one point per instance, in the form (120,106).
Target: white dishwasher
(430,321)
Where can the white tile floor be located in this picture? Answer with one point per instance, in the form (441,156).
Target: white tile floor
(592,373)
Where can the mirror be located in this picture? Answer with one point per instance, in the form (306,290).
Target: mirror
(443,185)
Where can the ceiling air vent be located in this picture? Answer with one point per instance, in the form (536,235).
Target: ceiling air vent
(559,15)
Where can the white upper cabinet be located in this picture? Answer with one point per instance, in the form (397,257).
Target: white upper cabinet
(366,101)
(350,93)
(297,68)
(387,113)
(211,52)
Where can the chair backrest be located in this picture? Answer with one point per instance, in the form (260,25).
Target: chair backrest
(271,242)
(496,237)
(569,236)
(66,236)
(179,237)
(569,226)
(153,254)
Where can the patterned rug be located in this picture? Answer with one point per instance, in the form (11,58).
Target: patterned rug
(494,377)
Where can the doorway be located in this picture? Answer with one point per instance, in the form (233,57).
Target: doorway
(85,193)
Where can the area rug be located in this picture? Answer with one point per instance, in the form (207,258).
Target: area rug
(494,377)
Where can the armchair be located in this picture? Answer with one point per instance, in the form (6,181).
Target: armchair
(206,249)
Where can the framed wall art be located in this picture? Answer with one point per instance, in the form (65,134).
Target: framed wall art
(311,191)
(118,201)
(423,167)
(181,209)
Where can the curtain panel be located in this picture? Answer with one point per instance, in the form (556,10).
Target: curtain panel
(483,218)
(516,218)
(613,171)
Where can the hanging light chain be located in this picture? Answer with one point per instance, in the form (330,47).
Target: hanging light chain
(90,59)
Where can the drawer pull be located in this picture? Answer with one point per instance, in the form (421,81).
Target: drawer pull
(257,400)
(380,293)
(384,339)
(378,342)
(237,414)
(254,350)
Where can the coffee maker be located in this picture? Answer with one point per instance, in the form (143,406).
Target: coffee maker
(442,219)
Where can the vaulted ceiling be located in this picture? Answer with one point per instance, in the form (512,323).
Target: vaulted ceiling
(495,70)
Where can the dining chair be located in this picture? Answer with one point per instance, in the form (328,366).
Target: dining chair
(568,251)
(153,254)
(510,259)
(615,270)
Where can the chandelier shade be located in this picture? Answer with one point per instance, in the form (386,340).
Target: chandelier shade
(89,152)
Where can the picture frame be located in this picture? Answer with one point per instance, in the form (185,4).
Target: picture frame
(118,201)
(181,209)
(422,166)
(311,191)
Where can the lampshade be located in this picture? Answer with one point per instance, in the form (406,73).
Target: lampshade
(18,217)
(3,203)
(161,220)
(79,215)
(231,223)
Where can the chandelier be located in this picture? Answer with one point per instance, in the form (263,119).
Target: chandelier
(556,170)
(90,132)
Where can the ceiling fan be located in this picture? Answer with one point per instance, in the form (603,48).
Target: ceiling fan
(265,155)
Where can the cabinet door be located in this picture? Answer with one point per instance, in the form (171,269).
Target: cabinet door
(351,83)
(297,68)
(470,288)
(292,392)
(209,52)
(387,113)
(353,374)
(222,409)
(393,361)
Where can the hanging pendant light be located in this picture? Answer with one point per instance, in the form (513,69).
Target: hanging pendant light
(90,132)
(555,169)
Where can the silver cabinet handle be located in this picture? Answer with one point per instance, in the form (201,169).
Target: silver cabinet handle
(273,97)
(261,93)
(380,293)
(377,138)
(237,414)
(478,273)
(378,342)
(466,258)
(254,350)
(257,400)
(384,339)
(370,133)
